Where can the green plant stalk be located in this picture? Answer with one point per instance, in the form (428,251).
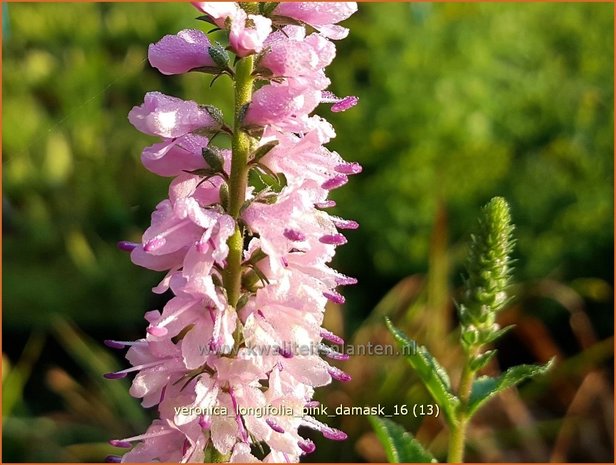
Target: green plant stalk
(488,267)
(458,429)
(238,181)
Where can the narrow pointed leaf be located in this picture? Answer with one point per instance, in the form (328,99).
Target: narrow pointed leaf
(430,372)
(400,445)
(486,387)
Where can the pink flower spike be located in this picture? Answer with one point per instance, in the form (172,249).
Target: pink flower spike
(334,239)
(201,349)
(180,53)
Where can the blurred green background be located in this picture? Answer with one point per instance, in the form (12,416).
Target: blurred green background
(458,103)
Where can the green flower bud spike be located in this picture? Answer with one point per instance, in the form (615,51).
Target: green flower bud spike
(488,267)
(488,271)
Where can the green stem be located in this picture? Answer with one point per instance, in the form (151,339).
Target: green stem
(458,430)
(238,181)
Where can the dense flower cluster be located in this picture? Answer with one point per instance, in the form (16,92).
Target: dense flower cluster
(209,361)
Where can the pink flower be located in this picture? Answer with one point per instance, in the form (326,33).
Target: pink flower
(323,16)
(175,156)
(292,55)
(160,444)
(281,104)
(219,11)
(248,33)
(180,53)
(165,116)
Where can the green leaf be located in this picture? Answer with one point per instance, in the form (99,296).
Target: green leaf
(400,445)
(431,373)
(486,387)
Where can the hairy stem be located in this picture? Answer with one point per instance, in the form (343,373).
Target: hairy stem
(458,431)
(239,177)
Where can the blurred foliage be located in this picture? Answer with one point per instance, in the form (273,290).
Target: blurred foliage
(461,102)
(458,103)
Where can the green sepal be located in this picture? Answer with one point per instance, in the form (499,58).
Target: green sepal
(264,150)
(285,21)
(430,372)
(217,281)
(264,178)
(216,114)
(206,18)
(486,387)
(181,334)
(251,280)
(267,8)
(219,55)
(264,280)
(224,196)
(249,7)
(242,301)
(256,257)
(205,172)
(400,445)
(213,158)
